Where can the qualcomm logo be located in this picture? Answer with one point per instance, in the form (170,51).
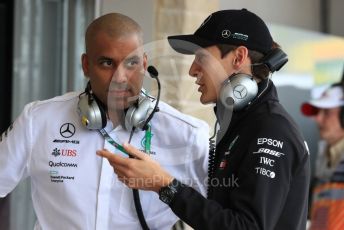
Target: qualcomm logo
(240,91)
(62,164)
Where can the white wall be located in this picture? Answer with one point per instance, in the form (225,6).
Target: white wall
(336,7)
(142,11)
(304,14)
(299,13)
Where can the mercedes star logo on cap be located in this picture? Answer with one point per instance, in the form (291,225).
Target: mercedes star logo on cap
(226,33)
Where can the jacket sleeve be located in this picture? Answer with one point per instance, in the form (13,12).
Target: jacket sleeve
(15,150)
(273,156)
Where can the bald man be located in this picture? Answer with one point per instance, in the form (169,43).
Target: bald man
(54,142)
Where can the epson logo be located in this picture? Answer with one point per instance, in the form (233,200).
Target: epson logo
(270,152)
(269,141)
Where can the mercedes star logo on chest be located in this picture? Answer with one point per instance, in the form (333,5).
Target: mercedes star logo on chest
(67,130)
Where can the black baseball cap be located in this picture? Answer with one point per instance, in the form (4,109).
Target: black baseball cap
(233,27)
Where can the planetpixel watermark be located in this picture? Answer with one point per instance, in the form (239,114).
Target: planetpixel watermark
(229,182)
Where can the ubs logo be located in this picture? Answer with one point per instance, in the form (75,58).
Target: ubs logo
(240,91)
(67,130)
(64,152)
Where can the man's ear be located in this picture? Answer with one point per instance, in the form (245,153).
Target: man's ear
(85,64)
(145,61)
(240,56)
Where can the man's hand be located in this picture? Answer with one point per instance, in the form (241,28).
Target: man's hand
(140,172)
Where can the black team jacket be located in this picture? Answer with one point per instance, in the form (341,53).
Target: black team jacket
(261,173)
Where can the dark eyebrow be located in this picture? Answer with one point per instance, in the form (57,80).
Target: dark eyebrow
(104,58)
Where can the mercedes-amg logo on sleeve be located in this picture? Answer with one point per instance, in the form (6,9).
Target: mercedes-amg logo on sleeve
(240,91)
(67,130)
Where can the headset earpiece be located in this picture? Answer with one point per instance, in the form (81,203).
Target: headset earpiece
(91,114)
(275,59)
(238,91)
(137,116)
(341,113)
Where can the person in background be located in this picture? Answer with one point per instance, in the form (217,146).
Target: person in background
(54,142)
(259,174)
(327,190)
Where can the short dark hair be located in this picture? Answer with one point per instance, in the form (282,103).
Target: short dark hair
(260,71)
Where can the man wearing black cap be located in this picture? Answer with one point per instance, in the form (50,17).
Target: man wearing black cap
(328,183)
(259,173)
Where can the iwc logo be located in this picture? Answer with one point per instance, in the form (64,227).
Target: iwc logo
(67,130)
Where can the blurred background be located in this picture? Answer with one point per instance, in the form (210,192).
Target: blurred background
(42,40)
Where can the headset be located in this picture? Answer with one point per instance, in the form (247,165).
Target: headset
(240,89)
(341,113)
(93,115)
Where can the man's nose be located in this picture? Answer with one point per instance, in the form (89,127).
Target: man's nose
(119,76)
(318,117)
(194,69)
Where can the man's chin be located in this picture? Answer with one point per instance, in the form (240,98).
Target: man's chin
(118,105)
(205,100)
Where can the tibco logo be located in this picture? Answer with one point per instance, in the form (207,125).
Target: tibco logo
(265,172)
(64,152)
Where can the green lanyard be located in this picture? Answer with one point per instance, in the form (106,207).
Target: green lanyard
(148,139)
(112,141)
